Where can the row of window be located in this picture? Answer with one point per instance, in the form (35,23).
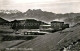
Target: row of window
(27,24)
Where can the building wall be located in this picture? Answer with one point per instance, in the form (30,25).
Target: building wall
(45,26)
(66,26)
(32,25)
(57,25)
(24,24)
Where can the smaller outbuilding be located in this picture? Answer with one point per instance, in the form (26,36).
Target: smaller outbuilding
(57,25)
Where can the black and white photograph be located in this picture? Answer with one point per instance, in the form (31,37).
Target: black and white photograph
(39,25)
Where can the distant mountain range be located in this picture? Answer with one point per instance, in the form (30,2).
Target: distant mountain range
(9,11)
(40,15)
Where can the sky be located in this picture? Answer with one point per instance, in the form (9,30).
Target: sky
(55,6)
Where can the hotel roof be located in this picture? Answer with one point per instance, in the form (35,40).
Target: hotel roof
(57,22)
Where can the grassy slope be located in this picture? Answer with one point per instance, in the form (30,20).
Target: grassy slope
(49,42)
